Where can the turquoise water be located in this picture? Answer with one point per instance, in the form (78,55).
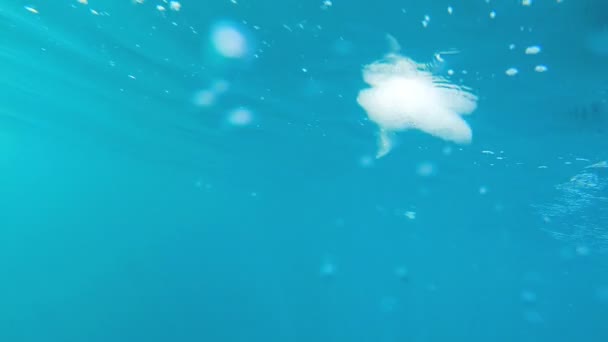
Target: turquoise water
(137,206)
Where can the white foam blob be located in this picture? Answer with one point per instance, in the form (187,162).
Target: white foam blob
(410,215)
(533,50)
(229,41)
(511,72)
(204,98)
(406,95)
(175,6)
(240,117)
(31,9)
(326,4)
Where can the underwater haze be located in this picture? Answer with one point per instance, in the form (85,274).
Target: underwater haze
(303,170)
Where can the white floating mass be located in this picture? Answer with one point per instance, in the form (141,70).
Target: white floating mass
(240,117)
(405,95)
(229,41)
(175,6)
(511,72)
(31,9)
(532,50)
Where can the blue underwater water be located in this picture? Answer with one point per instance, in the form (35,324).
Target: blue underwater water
(161,182)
